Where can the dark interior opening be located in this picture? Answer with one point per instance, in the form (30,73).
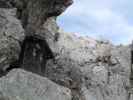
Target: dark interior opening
(5,4)
(34,54)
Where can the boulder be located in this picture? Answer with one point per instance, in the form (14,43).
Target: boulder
(22,85)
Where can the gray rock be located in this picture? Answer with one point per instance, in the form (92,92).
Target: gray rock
(50,33)
(103,69)
(34,13)
(11,33)
(65,72)
(40,31)
(22,85)
(92,69)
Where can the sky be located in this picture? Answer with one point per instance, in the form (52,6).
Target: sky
(106,19)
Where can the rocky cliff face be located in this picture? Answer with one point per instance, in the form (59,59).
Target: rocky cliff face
(93,70)
(55,65)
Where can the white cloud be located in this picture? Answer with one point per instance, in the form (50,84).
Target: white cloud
(99,17)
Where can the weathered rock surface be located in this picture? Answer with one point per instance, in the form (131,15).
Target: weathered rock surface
(91,69)
(38,20)
(34,13)
(11,33)
(22,85)
(96,70)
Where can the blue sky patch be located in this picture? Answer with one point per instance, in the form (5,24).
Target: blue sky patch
(110,19)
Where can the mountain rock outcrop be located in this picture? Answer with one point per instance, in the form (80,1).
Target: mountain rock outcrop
(92,69)
(68,67)
(36,18)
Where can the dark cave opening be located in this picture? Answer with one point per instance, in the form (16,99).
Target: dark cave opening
(4,4)
(35,50)
(34,54)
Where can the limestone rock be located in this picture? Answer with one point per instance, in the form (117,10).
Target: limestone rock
(103,69)
(22,85)
(77,48)
(92,69)
(11,34)
(100,74)
(34,13)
